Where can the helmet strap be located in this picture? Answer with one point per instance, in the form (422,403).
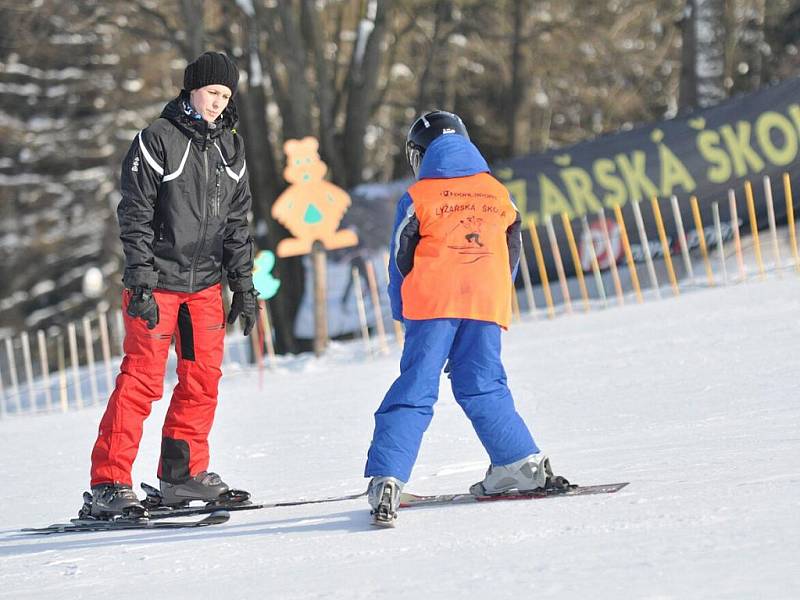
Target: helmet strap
(415,160)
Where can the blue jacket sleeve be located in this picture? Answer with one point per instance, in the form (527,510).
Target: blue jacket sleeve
(401,252)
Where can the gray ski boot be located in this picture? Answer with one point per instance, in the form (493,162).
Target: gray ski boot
(528,474)
(383,494)
(204,486)
(109,501)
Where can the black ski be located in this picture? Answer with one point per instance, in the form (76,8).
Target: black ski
(154,515)
(411,500)
(81,525)
(234,501)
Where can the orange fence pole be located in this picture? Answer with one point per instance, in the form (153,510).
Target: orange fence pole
(626,245)
(537,248)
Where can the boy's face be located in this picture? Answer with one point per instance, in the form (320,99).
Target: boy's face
(210,101)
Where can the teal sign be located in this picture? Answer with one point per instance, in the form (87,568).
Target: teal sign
(266,285)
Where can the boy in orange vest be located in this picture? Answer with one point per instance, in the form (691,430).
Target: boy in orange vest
(455,246)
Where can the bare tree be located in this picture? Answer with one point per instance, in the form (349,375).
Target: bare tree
(362,83)
(192,16)
(518,140)
(435,85)
(703,56)
(747,48)
(325,85)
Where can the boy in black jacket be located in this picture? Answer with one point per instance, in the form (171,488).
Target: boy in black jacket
(183,220)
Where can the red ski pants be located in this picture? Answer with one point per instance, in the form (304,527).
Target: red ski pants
(197,322)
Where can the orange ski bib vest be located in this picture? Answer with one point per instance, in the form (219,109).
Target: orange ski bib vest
(461,263)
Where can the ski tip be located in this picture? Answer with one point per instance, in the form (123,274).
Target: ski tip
(217,517)
(54,528)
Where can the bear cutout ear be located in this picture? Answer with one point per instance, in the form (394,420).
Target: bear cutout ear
(310,144)
(290,147)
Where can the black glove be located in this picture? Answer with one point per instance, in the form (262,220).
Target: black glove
(244,305)
(143,305)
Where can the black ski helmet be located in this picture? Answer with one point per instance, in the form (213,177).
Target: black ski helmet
(426,129)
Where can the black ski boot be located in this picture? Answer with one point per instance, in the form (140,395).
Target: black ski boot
(109,501)
(205,486)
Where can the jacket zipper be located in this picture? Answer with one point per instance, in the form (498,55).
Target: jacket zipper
(201,240)
(217,191)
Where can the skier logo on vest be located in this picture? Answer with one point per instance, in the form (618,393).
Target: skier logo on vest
(465,239)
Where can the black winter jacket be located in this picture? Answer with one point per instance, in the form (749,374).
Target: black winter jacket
(185,199)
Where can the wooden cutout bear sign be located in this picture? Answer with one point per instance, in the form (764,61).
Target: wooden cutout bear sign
(310,208)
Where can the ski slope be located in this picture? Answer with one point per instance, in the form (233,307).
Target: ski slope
(694,400)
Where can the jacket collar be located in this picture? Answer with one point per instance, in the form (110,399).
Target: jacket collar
(452,156)
(198,129)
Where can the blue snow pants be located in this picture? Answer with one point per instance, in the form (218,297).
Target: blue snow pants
(472,350)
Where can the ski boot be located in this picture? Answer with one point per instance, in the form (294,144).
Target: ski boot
(111,501)
(529,474)
(206,487)
(383,494)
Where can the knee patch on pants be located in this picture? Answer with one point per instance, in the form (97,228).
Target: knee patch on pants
(174,460)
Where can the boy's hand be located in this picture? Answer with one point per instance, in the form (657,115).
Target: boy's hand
(244,305)
(144,306)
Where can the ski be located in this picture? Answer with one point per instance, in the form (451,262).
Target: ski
(235,500)
(408,500)
(83,525)
(154,517)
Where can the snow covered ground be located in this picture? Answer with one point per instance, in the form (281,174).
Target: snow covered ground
(694,400)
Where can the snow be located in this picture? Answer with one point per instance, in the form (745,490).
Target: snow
(22,179)
(246,6)
(256,72)
(691,399)
(28,89)
(92,174)
(17,68)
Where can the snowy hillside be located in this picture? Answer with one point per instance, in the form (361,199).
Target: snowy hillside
(693,400)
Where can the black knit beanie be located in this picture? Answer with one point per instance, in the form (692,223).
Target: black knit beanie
(211,68)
